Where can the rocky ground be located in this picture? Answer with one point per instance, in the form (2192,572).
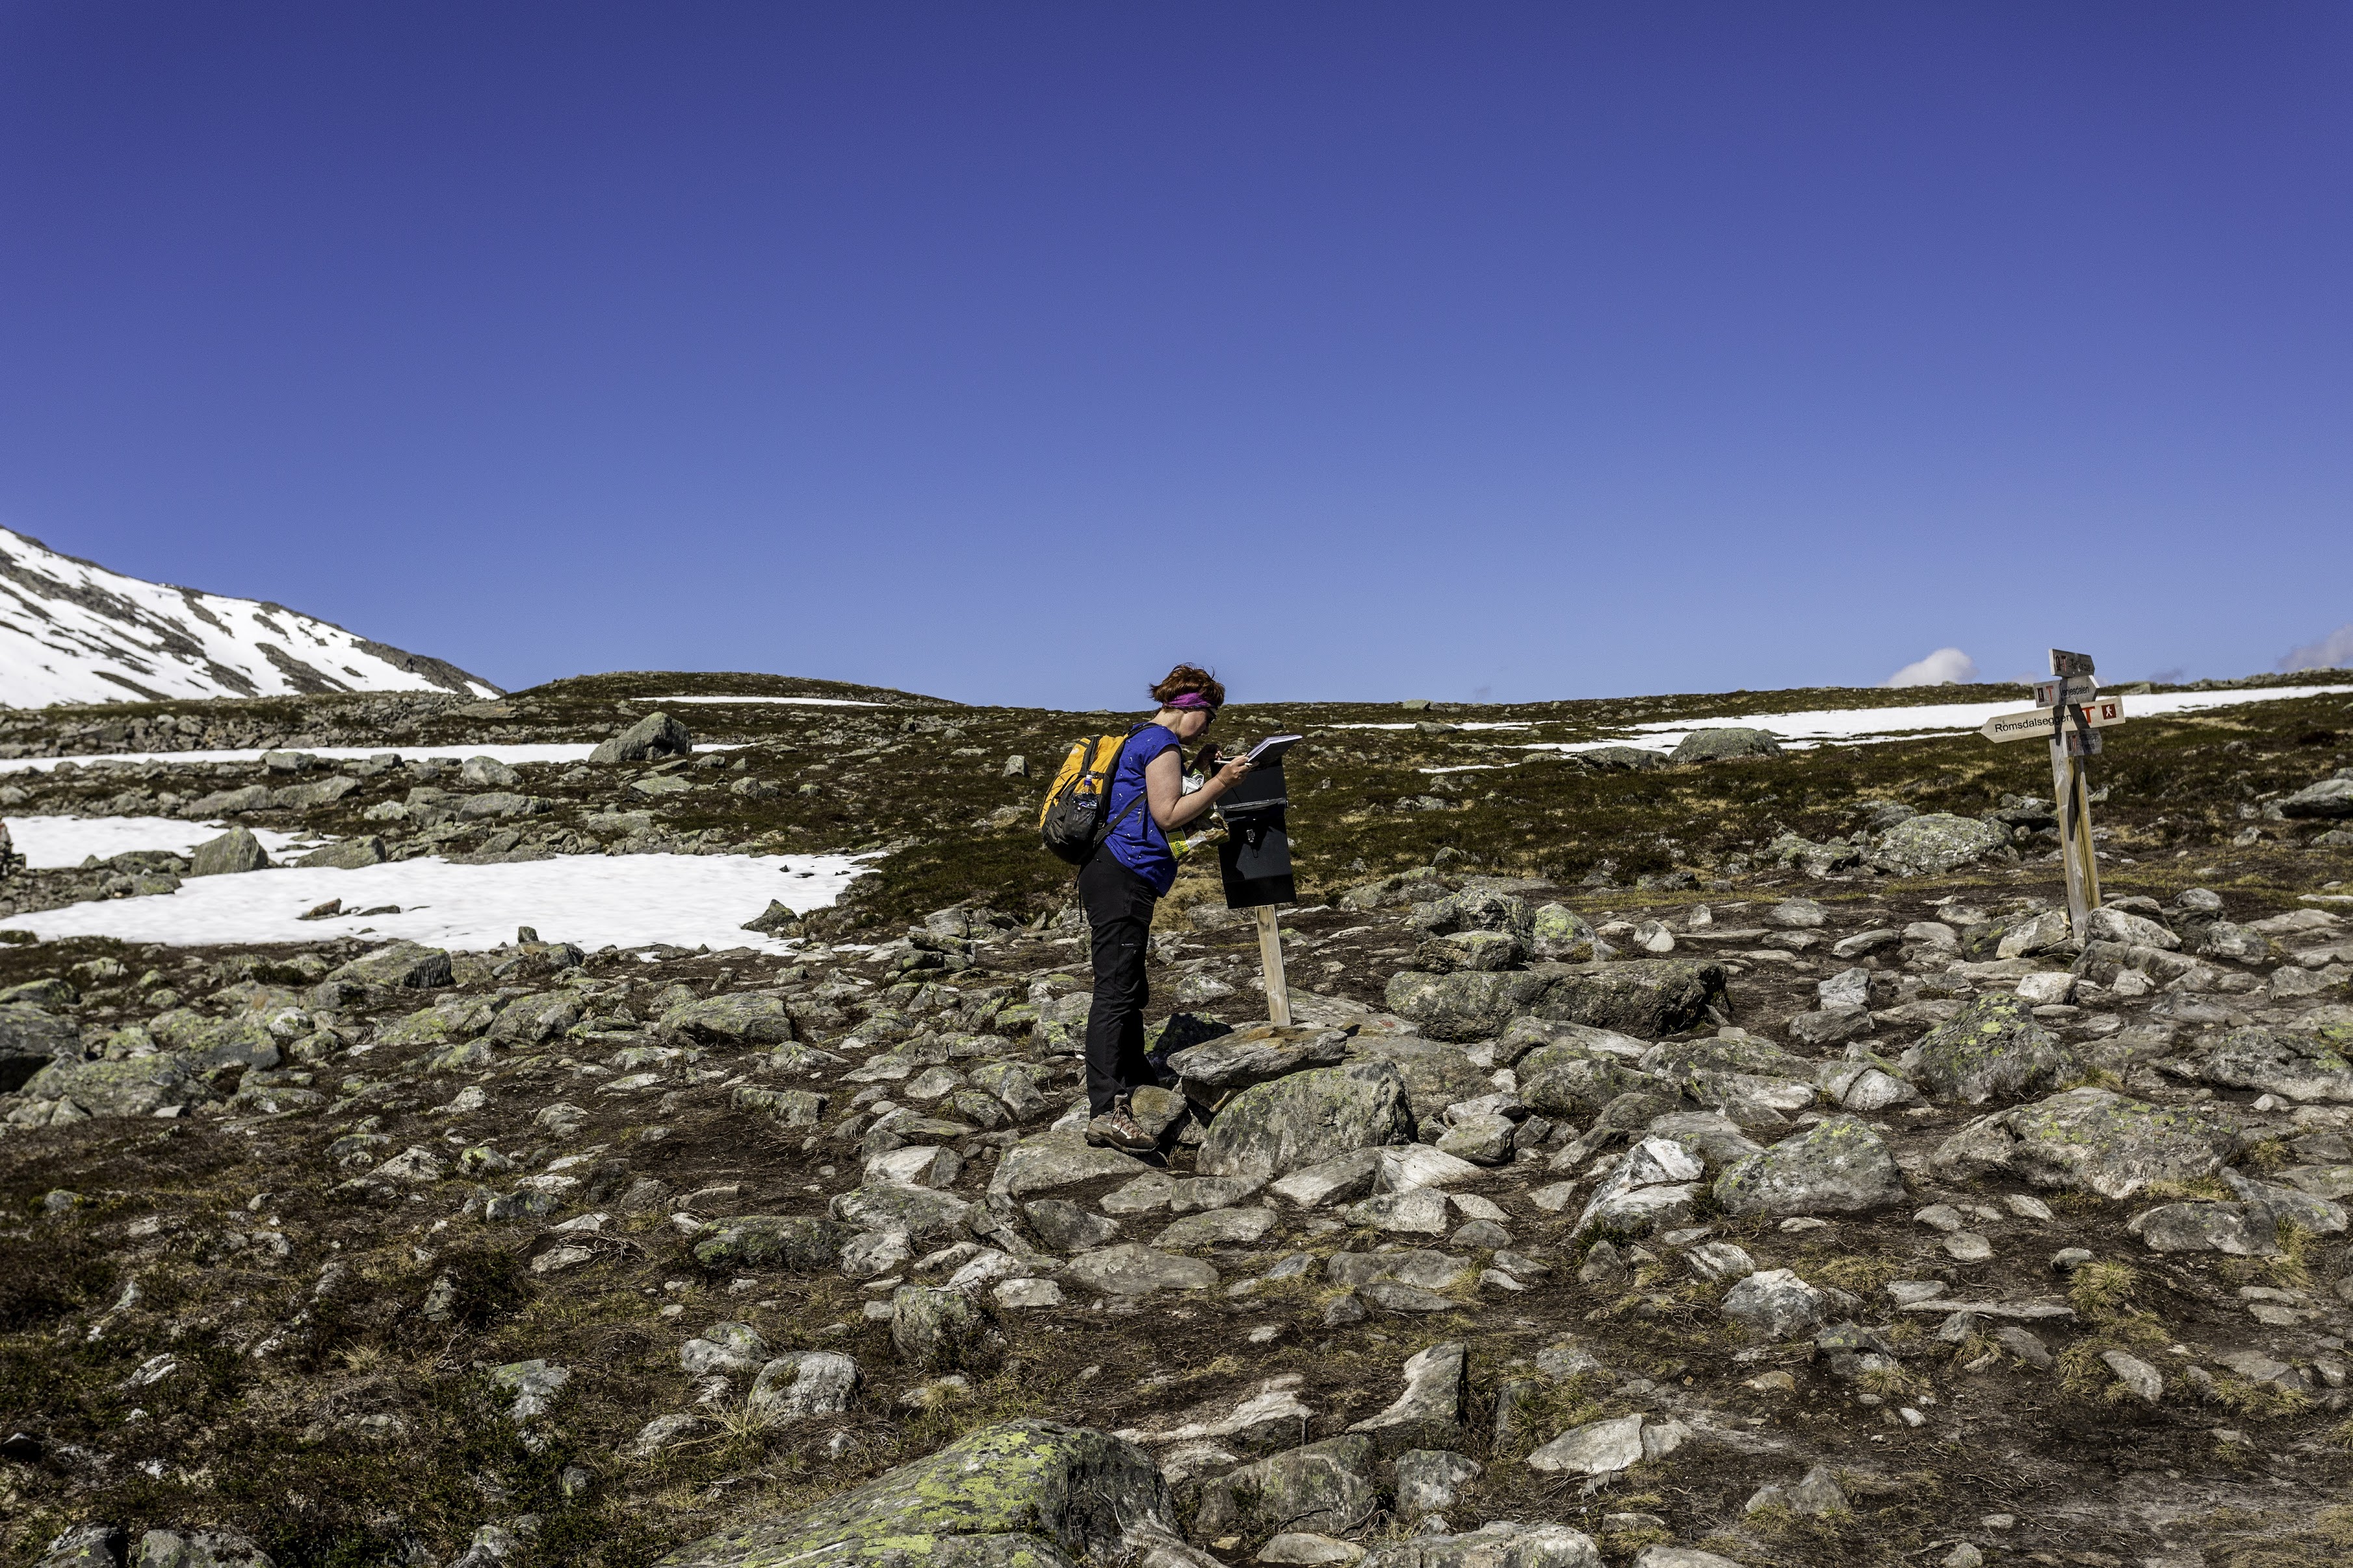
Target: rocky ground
(1734,1160)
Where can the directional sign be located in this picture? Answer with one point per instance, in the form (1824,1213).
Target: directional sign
(2072,688)
(2034,723)
(2065,663)
(2084,742)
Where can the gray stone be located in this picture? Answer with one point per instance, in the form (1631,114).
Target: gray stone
(29,1040)
(2110,924)
(1728,740)
(1499,1544)
(1325,1487)
(1467,1004)
(1936,844)
(1482,1140)
(1575,1081)
(736,1019)
(655,735)
(348,854)
(922,1213)
(1306,1119)
(937,1328)
(1596,1449)
(1217,1228)
(2239,1230)
(1066,1228)
(802,1244)
(488,773)
(1991,1047)
(723,1348)
(2328,798)
(236,850)
(2091,1139)
(2146,1381)
(1420,1266)
(492,804)
(1839,1165)
(1054,1159)
(668,1432)
(1210,1072)
(86,1546)
(217,1547)
(1017,1494)
(1681,1557)
(1429,1414)
(139,1086)
(1559,933)
(2274,1061)
(1775,1304)
(1332,1181)
(803,1383)
(1647,997)
(399,965)
(1130,1269)
(535,1384)
(1653,1184)
(1428,1479)
(1436,1075)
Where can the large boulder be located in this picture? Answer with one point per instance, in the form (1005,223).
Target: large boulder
(1935,844)
(1018,1494)
(1726,741)
(1567,1081)
(1466,1005)
(29,1040)
(2328,798)
(1648,997)
(2090,1139)
(400,966)
(1131,1269)
(348,854)
(924,1214)
(1436,1075)
(2274,1061)
(1051,1160)
(655,735)
(803,1244)
(236,850)
(1306,1119)
(139,1086)
(211,1547)
(1259,1053)
(1991,1047)
(1325,1487)
(1557,931)
(1839,1165)
(742,1019)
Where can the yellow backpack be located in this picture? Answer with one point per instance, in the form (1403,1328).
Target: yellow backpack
(1070,823)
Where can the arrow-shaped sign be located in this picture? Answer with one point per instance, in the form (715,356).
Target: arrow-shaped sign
(2034,723)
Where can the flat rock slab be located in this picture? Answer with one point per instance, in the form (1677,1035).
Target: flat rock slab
(1839,1165)
(2088,1139)
(1217,1228)
(1306,1119)
(1055,1160)
(1133,1269)
(1429,1414)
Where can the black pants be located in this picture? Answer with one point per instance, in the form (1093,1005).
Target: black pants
(1119,905)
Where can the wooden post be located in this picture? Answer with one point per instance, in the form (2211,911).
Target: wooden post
(2066,773)
(1270,962)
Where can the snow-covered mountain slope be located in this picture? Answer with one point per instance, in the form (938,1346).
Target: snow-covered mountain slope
(74,632)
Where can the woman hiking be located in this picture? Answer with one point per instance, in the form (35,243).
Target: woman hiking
(1126,878)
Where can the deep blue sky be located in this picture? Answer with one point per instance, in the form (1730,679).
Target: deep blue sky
(1010,351)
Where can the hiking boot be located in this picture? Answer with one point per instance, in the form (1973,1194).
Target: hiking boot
(1115,1129)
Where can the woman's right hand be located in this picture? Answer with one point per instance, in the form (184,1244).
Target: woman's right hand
(1233,772)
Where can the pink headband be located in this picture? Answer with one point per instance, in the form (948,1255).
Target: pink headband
(1191,700)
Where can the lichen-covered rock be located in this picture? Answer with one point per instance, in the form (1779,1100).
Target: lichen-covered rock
(2091,1139)
(29,1040)
(1991,1047)
(1436,1075)
(1325,1487)
(2328,798)
(938,1328)
(140,1086)
(802,1244)
(86,1546)
(738,1019)
(1839,1165)
(1939,842)
(1018,1494)
(1775,1304)
(1133,1269)
(534,1018)
(401,966)
(1647,997)
(1559,933)
(1467,1004)
(1725,741)
(2301,1067)
(922,1213)
(1568,1080)
(1306,1119)
(209,1548)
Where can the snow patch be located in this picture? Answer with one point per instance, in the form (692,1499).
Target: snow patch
(626,901)
(49,842)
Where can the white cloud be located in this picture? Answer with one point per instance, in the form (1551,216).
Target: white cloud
(1945,667)
(2331,652)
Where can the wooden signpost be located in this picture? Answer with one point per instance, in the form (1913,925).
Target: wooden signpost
(1254,863)
(2069,714)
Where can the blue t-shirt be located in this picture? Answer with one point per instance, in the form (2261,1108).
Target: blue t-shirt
(1137,842)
